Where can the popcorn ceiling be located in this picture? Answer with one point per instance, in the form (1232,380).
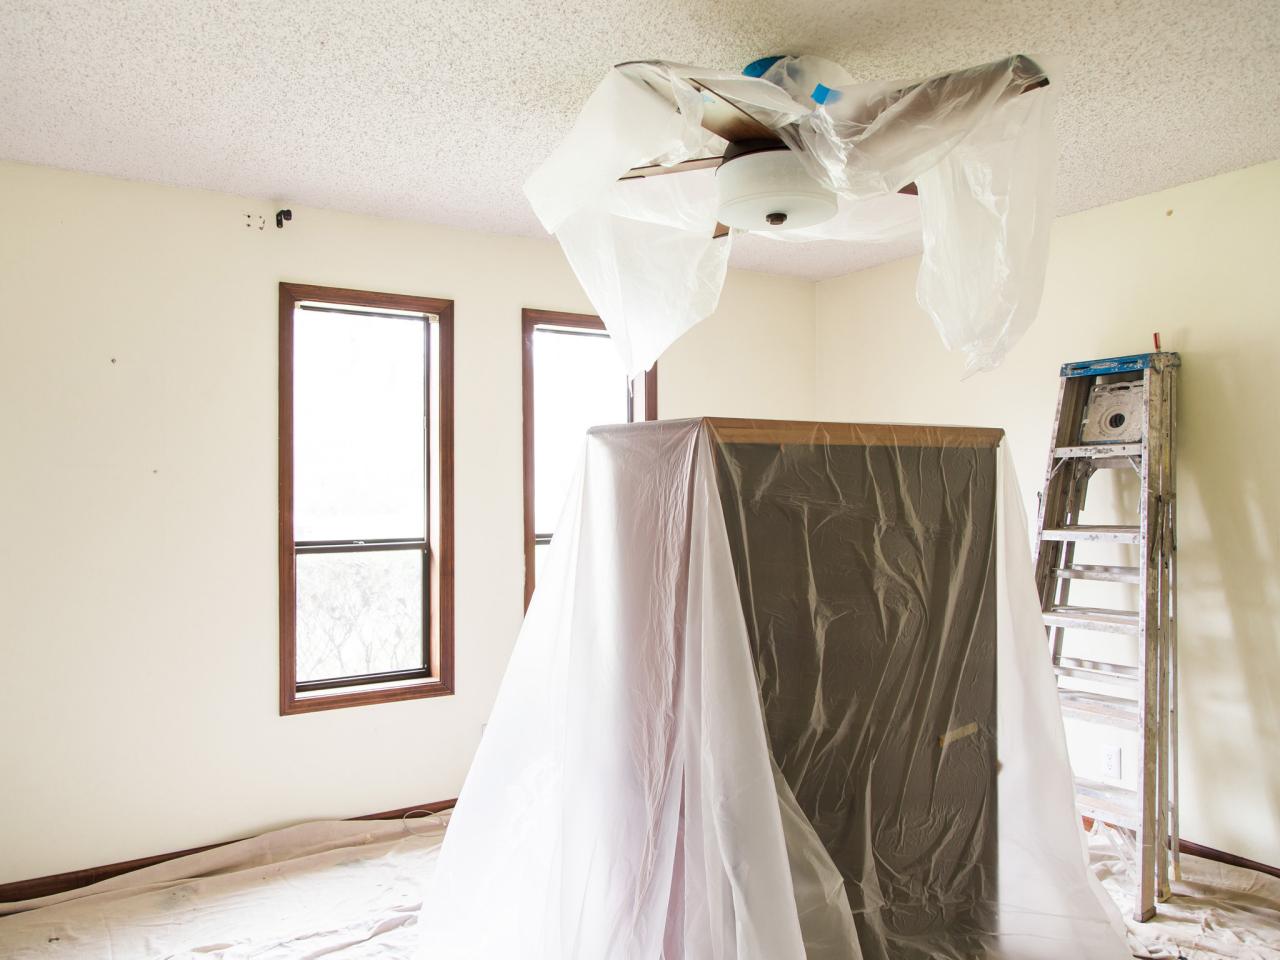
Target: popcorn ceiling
(438,111)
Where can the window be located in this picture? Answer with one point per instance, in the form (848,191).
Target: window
(572,381)
(366,497)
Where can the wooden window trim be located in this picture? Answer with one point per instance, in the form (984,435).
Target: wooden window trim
(529,320)
(441,572)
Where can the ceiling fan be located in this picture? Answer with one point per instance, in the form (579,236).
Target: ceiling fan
(762,183)
(794,148)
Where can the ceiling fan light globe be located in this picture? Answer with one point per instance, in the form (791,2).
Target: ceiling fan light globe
(770,190)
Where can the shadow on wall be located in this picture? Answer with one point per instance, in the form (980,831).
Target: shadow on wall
(1229,593)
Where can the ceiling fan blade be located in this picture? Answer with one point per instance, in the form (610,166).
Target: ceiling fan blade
(724,118)
(706,163)
(1029,72)
(720,116)
(1025,76)
(729,121)
(658,170)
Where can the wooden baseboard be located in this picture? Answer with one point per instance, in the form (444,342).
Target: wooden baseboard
(1210,853)
(1221,856)
(433,807)
(61,882)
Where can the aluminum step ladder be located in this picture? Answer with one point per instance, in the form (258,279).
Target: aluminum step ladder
(1118,414)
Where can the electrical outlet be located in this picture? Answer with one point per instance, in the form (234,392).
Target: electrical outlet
(1111,762)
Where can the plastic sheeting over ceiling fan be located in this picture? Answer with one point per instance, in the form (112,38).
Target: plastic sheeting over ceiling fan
(794,149)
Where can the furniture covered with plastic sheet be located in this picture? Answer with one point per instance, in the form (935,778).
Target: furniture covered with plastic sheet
(781,693)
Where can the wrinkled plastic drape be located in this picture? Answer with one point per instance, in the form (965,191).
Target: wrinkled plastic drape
(981,154)
(781,693)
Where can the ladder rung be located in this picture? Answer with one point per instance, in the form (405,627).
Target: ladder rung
(1106,812)
(1100,708)
(1101,666)
(1107,802)
(1099,451)
(1096,533)
(1096,670)
(1095,571)
(1092,618)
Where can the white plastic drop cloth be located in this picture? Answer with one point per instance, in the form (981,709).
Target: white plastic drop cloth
(980,150)
(781,693)
(350,891)
(1216,910)
(337,890)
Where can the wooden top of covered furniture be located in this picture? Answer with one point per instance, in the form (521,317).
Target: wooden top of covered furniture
(735,430)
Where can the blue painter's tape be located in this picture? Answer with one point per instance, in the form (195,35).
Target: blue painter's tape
(757,68)
(822,93)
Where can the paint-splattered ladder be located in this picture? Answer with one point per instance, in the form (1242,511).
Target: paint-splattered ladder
(1118,414)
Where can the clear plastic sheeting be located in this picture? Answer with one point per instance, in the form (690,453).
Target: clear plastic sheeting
(980,152)
(986,208)
(781,693)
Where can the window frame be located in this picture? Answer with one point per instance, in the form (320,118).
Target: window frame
(530,320)
(435,678)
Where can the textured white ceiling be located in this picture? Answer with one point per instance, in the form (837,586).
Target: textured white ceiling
(437,110)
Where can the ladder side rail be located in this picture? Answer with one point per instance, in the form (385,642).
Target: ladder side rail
(1165,813)
(1162,567)
(1148,659)
(1076,484)
(1049,468)
(1058,490)
(1174,832)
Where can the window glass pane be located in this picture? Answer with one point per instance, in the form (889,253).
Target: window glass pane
(578,382)
(358,444)
(358,613)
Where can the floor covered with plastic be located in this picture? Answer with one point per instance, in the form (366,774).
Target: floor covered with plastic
(353,889)
(1216,910)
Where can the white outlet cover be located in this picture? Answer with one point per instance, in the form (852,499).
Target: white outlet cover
(1111,768)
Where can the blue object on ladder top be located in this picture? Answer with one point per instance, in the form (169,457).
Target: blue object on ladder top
(1098,368)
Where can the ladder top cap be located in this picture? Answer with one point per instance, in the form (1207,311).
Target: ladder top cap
(1129,364)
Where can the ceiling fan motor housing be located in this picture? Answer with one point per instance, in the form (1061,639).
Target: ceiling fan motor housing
(770,190)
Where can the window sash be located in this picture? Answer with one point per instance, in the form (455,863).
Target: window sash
(357,312)
(423,669)
(360,546)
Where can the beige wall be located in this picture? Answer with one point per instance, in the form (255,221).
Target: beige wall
(138,500)
(1201,264)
